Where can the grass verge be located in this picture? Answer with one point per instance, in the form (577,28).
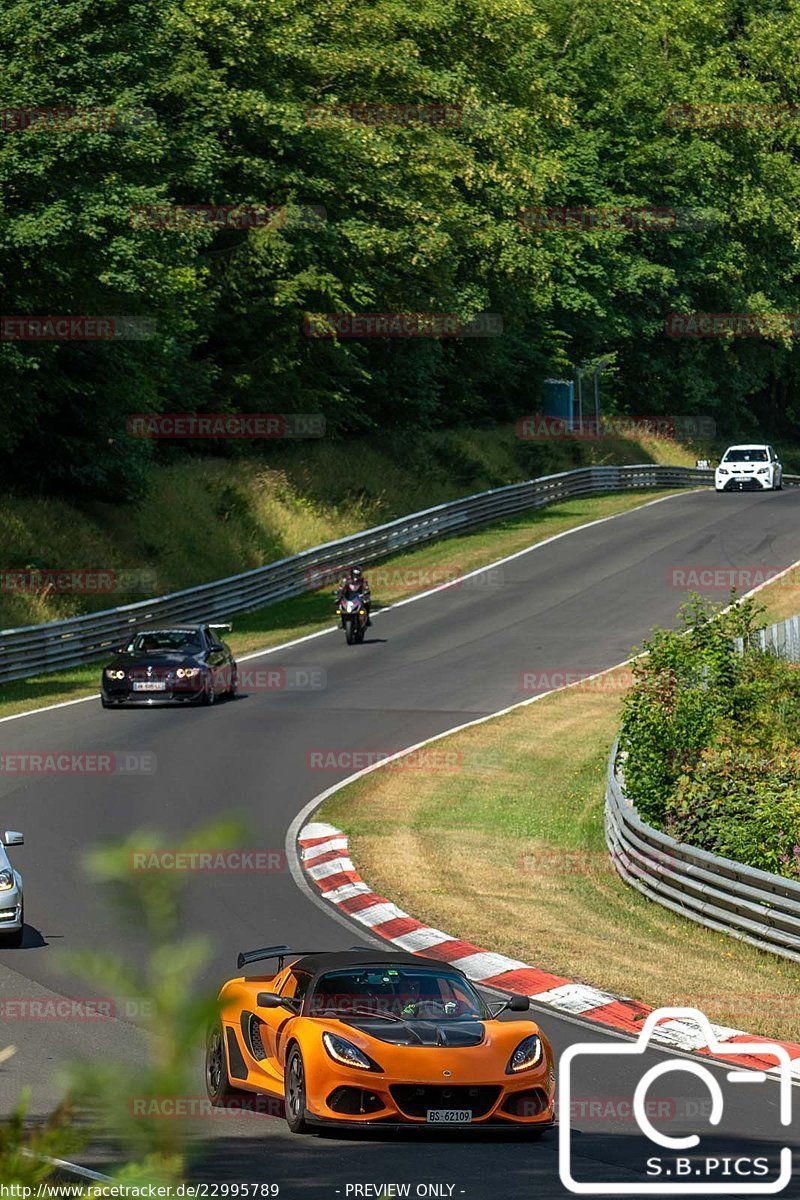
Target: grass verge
(508,852)
(393,580)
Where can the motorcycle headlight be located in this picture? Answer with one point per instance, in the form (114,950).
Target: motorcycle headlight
(6,881)
(344,1052)
(187,672)
(115,674)
(527,1054)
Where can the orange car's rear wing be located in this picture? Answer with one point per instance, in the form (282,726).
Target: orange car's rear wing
(279,952)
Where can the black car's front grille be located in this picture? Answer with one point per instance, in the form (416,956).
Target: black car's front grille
(155,674)
(415,1099)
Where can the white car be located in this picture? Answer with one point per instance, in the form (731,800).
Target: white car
(12,908)
(749,469)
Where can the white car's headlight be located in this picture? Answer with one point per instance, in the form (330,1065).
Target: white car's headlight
(762,471)
(115,674)
(6,881)
(527,1054)
(187,672)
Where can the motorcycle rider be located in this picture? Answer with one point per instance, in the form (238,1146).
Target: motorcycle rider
(355,581)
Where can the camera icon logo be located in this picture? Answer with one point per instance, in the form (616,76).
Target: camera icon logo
(685,1176)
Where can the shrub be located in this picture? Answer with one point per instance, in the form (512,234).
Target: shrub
(710,740)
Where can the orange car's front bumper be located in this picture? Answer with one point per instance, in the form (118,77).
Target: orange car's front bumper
(345,1096)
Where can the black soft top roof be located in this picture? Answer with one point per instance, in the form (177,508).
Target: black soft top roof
(319,964)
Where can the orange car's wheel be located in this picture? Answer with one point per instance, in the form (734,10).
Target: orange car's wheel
(295,1092)
(217,1083)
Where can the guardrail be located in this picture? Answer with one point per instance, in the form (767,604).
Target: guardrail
(783,637)
(723,895)
(34,649)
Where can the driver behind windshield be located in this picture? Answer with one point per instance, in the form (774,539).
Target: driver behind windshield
(420,995)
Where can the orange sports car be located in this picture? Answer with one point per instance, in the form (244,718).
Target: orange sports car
(377,1039)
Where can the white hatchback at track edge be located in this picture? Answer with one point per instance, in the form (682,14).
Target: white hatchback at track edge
(12,908)
(749,468)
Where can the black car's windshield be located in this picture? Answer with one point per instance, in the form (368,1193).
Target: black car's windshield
(184,641)
(407,992)
(745,456)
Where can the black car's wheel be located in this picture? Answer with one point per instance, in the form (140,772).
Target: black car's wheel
(209,695)
(234,684)
(294,1087)
(218,1085)
(105,703)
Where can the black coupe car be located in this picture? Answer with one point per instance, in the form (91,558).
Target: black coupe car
(184,664)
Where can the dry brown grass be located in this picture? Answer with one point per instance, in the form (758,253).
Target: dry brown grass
(508,853)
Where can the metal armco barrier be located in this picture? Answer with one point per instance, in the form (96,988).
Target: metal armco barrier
(752,905)
(783,637)
(34,649)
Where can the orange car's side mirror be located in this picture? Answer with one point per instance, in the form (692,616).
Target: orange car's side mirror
(270,1000)
(519,1004)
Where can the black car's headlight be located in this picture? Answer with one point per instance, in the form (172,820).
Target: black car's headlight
(6,881)
(187,672)
(344,1052)
(527,1054)
(115,674)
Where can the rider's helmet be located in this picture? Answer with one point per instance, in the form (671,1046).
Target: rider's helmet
(356,574)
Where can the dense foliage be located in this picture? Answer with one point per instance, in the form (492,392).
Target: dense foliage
(710,740)
(558,102)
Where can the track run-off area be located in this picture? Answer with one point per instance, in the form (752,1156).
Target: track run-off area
(576,604)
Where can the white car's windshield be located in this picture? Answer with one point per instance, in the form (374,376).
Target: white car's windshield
(745,456)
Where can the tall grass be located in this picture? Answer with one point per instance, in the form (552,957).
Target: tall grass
(202,518)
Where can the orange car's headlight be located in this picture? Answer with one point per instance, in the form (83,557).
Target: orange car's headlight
(527,1054)
(344,1052)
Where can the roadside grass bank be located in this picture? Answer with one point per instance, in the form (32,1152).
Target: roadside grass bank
(395,579)
(204,518)
(507,851)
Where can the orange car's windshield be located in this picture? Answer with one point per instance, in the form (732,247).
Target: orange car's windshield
(404,993)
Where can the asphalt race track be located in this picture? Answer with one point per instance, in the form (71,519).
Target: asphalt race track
(577,604)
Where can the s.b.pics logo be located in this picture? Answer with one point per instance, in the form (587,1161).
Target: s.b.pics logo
(699,1139)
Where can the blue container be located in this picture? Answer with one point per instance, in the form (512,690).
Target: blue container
(558,400)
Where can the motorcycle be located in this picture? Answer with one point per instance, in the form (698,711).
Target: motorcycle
(353,613)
